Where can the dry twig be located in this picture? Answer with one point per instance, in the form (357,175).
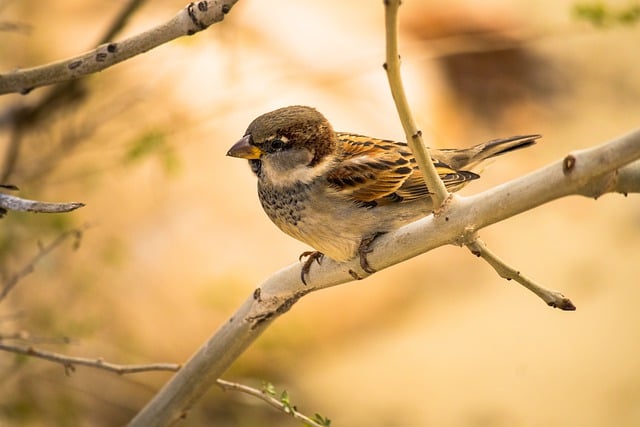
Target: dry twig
(42,252)
(552,298)
(13,203)
(70,362)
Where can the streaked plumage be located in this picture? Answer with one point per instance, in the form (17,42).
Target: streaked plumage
(334,190)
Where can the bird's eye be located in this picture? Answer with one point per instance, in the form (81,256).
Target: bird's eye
(277,144)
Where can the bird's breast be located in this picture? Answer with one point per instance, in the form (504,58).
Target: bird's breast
(284,205)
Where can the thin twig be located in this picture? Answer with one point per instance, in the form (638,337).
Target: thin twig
(269,399)
(14,203)
(69,362)
(435,185)
(42,252)
(25,336)
(552,298)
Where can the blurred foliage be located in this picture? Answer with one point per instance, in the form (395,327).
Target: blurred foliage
(152,143)
(600,14)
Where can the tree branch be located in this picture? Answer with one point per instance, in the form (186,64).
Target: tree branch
(552,298)
(281,404)
(433,182)
(42,252)
(591,172)
(69,362)
(196,17)
(14,203)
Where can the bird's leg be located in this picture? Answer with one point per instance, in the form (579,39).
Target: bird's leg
(364,249)
(311,256)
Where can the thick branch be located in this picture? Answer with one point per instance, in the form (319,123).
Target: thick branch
(196,17)
(582,172)
(412,134)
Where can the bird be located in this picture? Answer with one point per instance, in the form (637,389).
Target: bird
(338,191)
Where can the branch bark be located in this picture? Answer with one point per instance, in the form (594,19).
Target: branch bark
(591,172)
(69,362)
(552,298)
(287,408)
(413,136)
(13,203)
(195,17)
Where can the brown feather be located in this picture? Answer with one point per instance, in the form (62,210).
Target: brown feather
(374,171)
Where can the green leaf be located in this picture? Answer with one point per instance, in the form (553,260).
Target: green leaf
(321,420)
(268,388)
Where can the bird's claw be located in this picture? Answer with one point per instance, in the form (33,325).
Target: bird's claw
(364,249)
(306,266)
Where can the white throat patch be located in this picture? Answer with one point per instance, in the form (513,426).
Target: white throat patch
(300,173)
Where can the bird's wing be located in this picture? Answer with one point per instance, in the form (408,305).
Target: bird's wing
(374,171)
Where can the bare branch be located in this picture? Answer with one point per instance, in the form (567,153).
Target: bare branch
(463,215)
(268,398)
(552,298)
(433,181)
(42,252)
(412,134)
(628,180)
(14,203)
(69,362)
(196,17)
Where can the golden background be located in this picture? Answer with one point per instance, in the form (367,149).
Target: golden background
(176,237)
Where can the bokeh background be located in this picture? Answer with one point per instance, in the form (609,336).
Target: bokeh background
(176,238)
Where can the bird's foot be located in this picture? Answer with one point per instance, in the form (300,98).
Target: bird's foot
(311,256)
(364,249)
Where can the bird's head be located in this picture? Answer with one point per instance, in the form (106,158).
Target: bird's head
(287,144)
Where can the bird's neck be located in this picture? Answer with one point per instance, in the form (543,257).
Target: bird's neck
(303,173)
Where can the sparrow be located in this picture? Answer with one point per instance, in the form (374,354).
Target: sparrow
(338,191)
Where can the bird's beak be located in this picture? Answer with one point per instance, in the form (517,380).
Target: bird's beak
(244,150)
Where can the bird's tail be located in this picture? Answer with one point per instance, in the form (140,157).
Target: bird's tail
(471,157)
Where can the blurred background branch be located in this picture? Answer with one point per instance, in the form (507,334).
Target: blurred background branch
(70,362)
(43,251)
